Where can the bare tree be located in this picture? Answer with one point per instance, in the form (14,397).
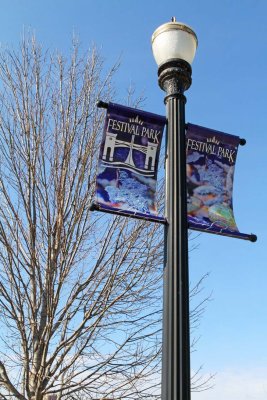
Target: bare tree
(80,293)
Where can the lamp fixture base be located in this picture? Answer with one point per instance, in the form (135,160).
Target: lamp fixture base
(174,77)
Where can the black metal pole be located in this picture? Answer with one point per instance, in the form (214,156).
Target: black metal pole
(174,79)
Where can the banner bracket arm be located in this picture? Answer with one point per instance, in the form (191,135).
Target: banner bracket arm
(102,104)
(96,207)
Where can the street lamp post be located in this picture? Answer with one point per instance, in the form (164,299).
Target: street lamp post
(174,45)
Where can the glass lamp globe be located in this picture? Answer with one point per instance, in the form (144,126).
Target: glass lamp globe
(174,40)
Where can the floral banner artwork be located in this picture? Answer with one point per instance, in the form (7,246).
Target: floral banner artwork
(211,157)
(128,162)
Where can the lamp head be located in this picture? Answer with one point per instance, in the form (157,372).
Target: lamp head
(174,40)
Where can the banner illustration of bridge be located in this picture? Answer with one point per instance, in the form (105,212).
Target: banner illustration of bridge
(150,152)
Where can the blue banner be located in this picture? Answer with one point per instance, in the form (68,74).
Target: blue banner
(211,158)
(128,162)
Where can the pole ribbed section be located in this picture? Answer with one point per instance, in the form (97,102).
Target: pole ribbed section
(176,330)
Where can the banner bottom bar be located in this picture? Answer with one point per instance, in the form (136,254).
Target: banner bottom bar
(97,207)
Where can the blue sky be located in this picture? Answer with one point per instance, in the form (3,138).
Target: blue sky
(229,93)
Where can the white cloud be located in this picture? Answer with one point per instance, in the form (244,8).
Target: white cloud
(233,384)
